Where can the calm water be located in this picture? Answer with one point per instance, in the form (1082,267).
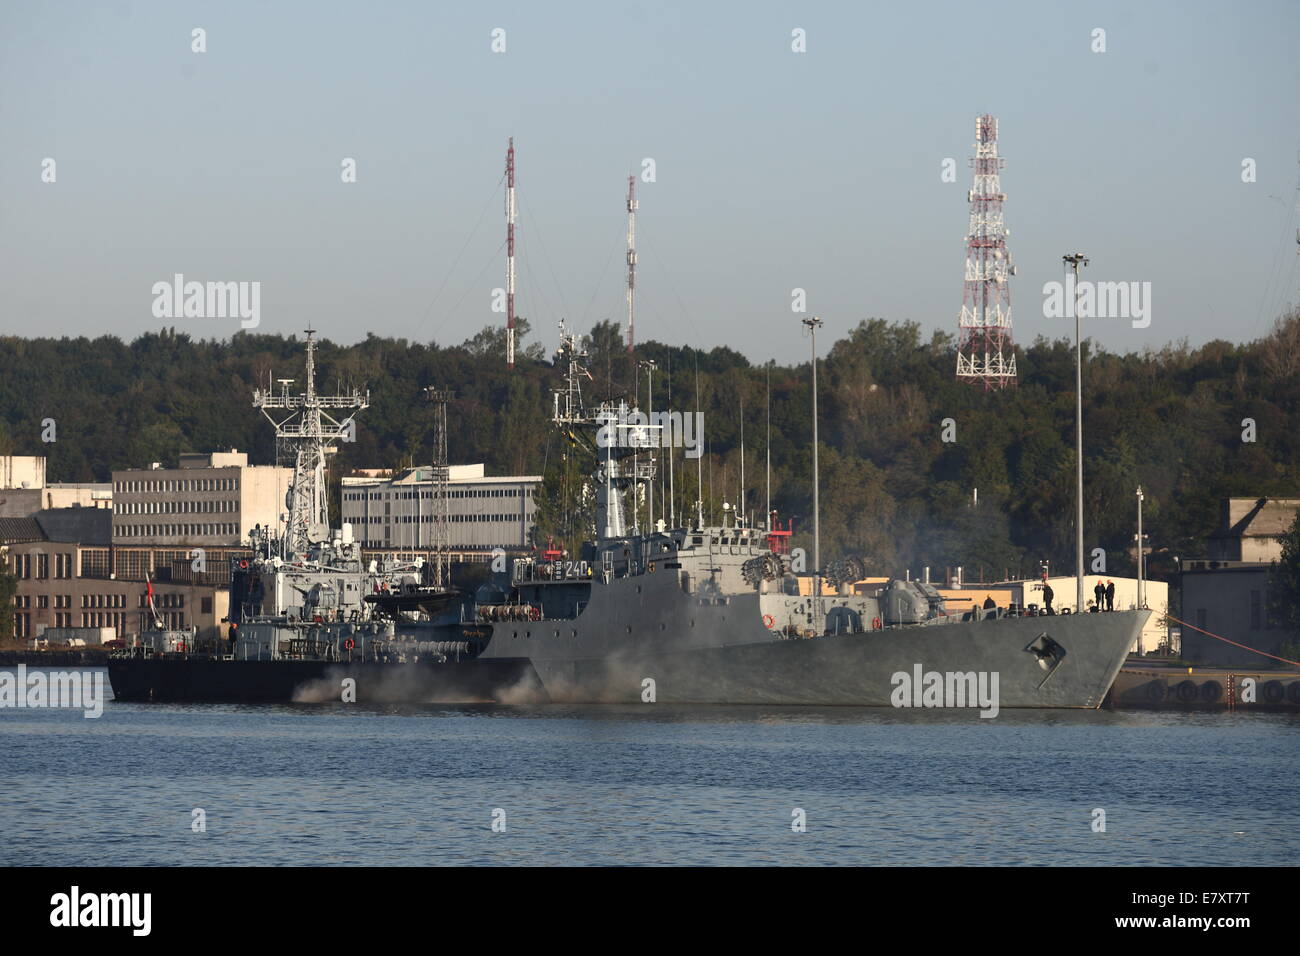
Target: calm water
(346,784)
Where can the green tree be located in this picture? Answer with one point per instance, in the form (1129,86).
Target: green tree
(1284,581)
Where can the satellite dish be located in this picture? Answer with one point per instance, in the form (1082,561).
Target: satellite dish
(316,533)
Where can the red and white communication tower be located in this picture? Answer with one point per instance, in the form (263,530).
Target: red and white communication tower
(631,263)
(510,254)
(985,352)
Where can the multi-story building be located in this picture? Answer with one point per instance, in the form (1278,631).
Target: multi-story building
(210,500)
(394,512)
(1228,593)
(24,491)
(71,575)
(22,471)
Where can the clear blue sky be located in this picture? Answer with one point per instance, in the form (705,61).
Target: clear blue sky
(775,170)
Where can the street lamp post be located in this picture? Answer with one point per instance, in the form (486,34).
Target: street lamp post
(649,365)
(1074,260)
(813,323)
(1141,596)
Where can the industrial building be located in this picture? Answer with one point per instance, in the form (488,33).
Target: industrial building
(70,575)
(24,490)
(395,512)
(209,500)
(1228,592)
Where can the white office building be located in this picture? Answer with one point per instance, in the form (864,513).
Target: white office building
(209,500)
(395,511)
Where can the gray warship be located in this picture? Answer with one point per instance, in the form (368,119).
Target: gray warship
(700,614)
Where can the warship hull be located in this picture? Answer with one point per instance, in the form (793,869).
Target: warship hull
(179,679)
(720,657)
(859,669)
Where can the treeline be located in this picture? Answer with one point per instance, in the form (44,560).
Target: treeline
(893,490)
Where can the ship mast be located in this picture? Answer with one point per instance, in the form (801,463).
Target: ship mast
(309,431)
(607,434)
(631,263)
(441,533)
(510,254)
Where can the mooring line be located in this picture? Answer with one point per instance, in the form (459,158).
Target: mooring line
(1254,650)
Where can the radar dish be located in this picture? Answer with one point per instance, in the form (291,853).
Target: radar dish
(317,533)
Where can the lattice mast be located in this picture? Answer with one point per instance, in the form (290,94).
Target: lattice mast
(606,433)
(985,352)
(440,536)
(510,254)
(631,263)
(309,432)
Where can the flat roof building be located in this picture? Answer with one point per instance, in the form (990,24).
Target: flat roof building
(1229,593)
(71,576)
(1251,529)
(22,471)
(24,490)
(210,500)
(395,512)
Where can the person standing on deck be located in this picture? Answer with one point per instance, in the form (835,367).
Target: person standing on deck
(1100,592)
(1110,595)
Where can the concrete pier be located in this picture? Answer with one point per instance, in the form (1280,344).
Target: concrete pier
(1172,687)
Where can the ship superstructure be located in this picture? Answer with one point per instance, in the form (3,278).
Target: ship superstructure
(306,592)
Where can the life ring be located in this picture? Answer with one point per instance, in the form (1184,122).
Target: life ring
(243,564)
(180,647)
(769,621)
(875,623)
(534,613)
(651,567)
(348,643)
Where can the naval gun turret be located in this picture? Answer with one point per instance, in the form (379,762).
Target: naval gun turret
(910,602)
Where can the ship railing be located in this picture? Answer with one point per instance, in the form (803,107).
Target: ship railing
(306,648)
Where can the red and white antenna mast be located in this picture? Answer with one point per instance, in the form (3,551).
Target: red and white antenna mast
(510,254)
(985,353)
(631,263)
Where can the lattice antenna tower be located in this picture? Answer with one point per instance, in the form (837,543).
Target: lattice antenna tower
(306,427)
(510,254)
(440,535)
(631,263)
(985,352)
